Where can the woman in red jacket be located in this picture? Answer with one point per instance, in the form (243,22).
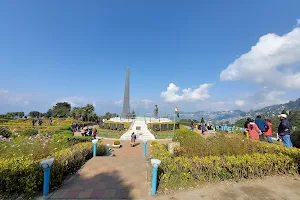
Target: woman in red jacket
(269,131)
(253,130)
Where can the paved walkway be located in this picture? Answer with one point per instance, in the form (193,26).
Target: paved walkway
(123,176)
(270,188)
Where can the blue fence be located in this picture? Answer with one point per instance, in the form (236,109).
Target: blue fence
(229,128)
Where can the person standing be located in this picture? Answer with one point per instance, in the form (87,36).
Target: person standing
(284,131)
(253,130)
(262,125)
(269,131)
(94,133)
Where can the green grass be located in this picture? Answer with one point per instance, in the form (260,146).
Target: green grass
(166,134)
(115,135)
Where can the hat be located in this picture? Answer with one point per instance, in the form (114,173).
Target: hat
(283,116)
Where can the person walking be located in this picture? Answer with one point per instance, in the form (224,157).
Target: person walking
(132,141)
(269,131)
(253,131)
(284,131)
(262,125)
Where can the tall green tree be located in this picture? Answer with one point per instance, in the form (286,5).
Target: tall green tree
(61,110)
(34,114)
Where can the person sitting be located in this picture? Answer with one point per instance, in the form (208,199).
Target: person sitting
(83,131)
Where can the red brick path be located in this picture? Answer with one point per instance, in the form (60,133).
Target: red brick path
(123,176)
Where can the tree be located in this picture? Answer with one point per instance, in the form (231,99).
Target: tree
(21,114)
(202,121)
(48,114)
(76,113)
(34,114)
(61,110)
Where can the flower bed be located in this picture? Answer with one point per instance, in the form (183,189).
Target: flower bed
(21,153)
(221,158)
(25,175)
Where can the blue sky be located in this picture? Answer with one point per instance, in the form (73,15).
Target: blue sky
(78,51)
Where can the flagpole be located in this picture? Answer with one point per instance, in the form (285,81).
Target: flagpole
(174,125)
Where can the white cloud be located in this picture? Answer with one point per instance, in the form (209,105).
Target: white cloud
(14,98)
(274,61)
(188,94)
(298,21)
(2,92)
(240,103)
(75,101)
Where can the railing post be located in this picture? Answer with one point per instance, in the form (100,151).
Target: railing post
(145,147)
(46,164)
(155,164)
(95,147)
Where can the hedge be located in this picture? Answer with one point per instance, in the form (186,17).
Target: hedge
(176,172)
(163,126)
(25,175)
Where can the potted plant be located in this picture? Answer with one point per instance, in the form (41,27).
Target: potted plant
(117,144)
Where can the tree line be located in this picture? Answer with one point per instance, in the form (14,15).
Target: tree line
(63,110)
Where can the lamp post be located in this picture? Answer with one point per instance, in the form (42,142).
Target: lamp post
(95,147)
(145,148)
(46,164)
(155,164)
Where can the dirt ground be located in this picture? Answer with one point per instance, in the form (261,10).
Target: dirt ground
(271,188)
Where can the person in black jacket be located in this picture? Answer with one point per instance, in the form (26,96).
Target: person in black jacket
(284,131)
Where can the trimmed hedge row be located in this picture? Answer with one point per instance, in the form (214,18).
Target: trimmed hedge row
(163,126)
(115,126)
(25,175)
(176,172)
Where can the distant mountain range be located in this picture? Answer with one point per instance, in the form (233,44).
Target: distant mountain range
(234,115)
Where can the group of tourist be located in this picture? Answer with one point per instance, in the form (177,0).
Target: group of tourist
(89,131)
(260,128)
(202,126)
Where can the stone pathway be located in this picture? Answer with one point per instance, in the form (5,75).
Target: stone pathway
(123,176)
(269,188)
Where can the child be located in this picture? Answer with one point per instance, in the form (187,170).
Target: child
(253,130)
(132,142)
(269,131)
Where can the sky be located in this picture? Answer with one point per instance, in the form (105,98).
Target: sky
(198,55)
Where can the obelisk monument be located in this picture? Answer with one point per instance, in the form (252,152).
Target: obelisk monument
(126,109)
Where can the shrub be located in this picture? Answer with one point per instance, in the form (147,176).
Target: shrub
(176,172)
(117,142)
(5,132)
(66,132)
(26,175)
(101,150)
(30,132)
(154,143)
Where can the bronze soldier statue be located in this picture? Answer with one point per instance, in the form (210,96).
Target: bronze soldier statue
(156,111)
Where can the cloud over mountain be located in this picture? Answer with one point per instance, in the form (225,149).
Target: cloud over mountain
(273,61)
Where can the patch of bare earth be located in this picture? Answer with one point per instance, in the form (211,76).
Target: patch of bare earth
(270,188)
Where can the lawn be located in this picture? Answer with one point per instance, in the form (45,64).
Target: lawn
(23,146)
